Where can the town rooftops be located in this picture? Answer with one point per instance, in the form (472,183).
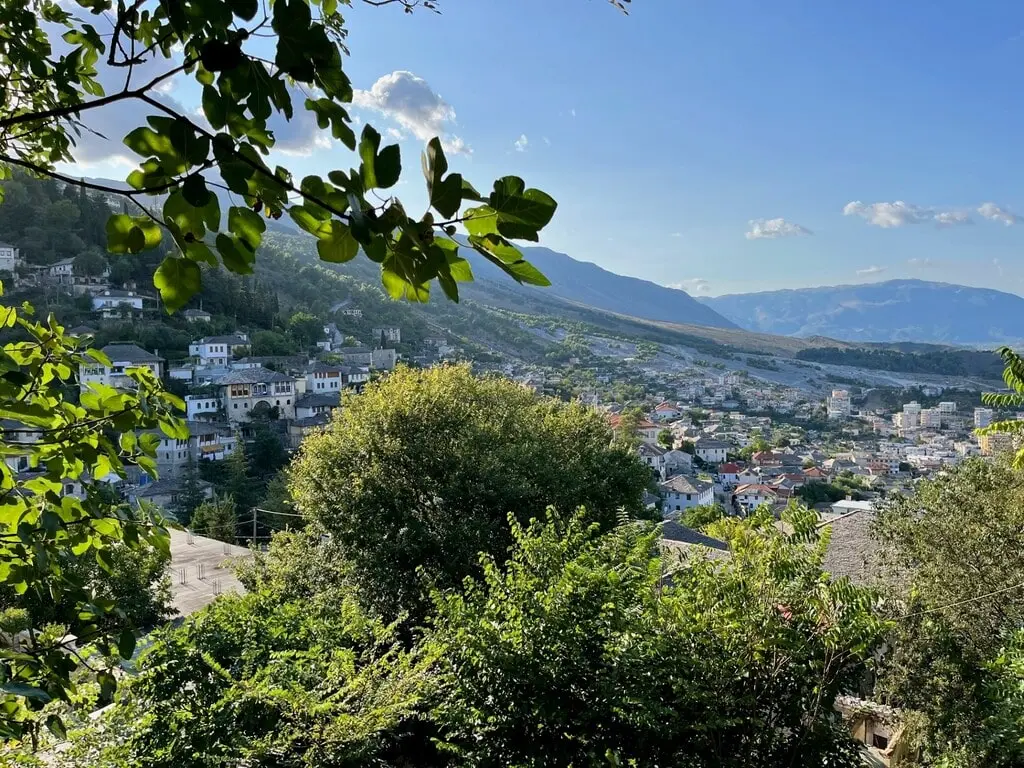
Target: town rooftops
(616,418)
(851,548)
(119,352)
(729,468)
(683,484)
(665,406)
(166,487)
(680,534)
(117,293)
(195,313)
(253,376)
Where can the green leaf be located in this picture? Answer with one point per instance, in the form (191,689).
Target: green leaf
(379,170)
(126,644)
(27,691)
(220,55)
(247,225)
(119,227)
(481,221)
(504,255)
(56,727)
(195,192)
(521,212)
(338,246)
(236,255)
(244,9)
(178,280)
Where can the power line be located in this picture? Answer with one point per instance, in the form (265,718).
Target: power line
(961,602)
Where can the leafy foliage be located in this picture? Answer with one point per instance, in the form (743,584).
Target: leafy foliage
(1013,375)
(183,160)
(417,476)
(47,530)
(954,570)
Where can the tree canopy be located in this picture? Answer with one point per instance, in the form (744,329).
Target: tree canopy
(255,66)
(418,475)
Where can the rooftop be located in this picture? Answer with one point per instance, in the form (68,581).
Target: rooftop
(232,338)
(683,484)
(318,400)
(188,553)
(253,376)
(129,353)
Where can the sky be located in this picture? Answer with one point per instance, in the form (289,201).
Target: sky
(719,147)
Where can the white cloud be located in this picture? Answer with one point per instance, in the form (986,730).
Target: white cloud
(889,215)
(922,263)
(410,101)
(547,141)
(521,143)
(993,212)
(953,218)
(770,229)
(676,234)
(573,112)
(396,134)
(998,266)
(692,285)
(872,270)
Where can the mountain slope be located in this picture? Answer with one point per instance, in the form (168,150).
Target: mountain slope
(890,311)
(586,283)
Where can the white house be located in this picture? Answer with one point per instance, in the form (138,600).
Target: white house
(113,302)
(62,271)
(217,350)
(394,335)
(314,404)
(201,406)
(257,392)
(10,259)
(752,495)
(677,461)
(653,456)
(712,451)
(122,357)
(665,411)
(680,493)
(729,473)
(196,316)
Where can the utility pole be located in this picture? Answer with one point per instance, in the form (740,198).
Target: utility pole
(253,527)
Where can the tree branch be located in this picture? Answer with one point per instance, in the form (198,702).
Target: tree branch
(75,109)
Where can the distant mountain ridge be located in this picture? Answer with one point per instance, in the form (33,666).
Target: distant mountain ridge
(889,311)
(586,283)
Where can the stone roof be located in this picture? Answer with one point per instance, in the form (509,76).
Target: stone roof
(677,532)
(318,400)
(196,313)
(852,550)
(253,376)
(232,338)
(683,484)
(646,449)
(129,353)
(316,420)
(712,444)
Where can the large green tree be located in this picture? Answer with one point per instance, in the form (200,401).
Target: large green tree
(576,651)
(953,566)
(419,474)
(253,64)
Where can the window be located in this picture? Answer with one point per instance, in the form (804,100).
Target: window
(239,390)
(688,496)
(69,488)
(259,389)
(236,406)
(287,402)
(878,741)
(277,402)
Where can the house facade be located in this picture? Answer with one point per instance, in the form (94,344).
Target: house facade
(680,493)
(217,350)
(122,357)
(10,260)
(752,495)
(712,451)
(257,393)
(112,303)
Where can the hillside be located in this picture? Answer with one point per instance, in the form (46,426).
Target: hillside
(890,311)
(586,283)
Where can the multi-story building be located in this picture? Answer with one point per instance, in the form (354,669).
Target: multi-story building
(947,408)
(217,350)
(931,418)
(113,302)
(680,493)
(10,260)
(997,442)
(257,392)
(122,357)
(838,404)
(982,417)
(911,415)
(712,451)
(202,407)
(393,335)
(327,378)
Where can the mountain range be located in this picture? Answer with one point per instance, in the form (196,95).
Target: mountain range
(889,311)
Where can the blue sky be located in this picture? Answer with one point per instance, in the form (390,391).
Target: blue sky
(664,134)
